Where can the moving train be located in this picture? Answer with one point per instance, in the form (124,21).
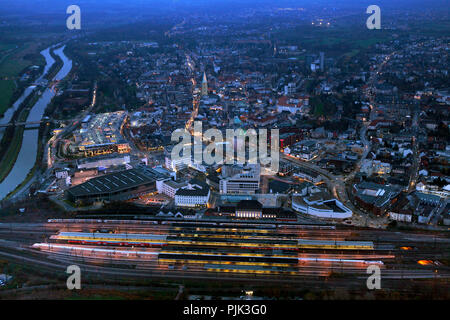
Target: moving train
(156,240)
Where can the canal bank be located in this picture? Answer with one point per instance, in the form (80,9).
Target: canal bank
(49,61)
(27,155)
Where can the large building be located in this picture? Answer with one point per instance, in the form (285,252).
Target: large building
(293,105)
(102,162)
(117,186)
(169,187)
(204,85)
(176,164)
(322,61)
(249,209)
(252,209)
(308,175)
(102,135)
(375,197)
(371,167)
(305,150)
(195,194)
(322,205)
(244,182)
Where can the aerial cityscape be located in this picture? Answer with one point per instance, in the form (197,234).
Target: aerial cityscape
(224,150)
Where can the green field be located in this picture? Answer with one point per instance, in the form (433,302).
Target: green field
(12,67)
(6,90)
(352,53)
(12,63)
(10,157)
(5,47)
(17,59)
(339,41)
(439,28)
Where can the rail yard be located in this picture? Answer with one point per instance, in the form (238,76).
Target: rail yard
(229,251)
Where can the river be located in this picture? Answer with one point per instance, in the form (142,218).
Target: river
(27,155)
(49,61)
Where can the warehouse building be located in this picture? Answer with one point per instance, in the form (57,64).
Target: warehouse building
(117,186)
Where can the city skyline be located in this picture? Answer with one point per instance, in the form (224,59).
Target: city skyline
(294,150)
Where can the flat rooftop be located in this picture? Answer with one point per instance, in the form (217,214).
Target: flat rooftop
(103,129)
(113,182)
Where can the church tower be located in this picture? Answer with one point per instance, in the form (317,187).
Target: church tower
(204,85)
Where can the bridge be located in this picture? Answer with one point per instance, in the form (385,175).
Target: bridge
(29,123)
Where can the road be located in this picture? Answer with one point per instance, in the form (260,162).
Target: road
(334,183)
(369,94)
(195,99)
(414,171)
(52,153)
(337,183)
